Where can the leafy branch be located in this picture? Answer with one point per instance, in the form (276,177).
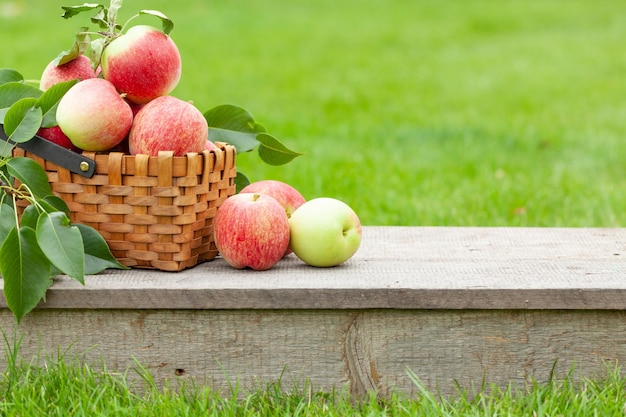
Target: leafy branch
(236,126)
(108,29)
(41,243)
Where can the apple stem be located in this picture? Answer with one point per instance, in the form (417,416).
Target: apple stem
(256,196)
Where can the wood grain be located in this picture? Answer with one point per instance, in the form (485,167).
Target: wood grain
(395,268)
(359,350)
(453,305)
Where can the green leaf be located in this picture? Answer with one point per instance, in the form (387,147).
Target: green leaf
(62,243)
(25,270)
(80,45)
(111,12)
(22,120)
(30,216)
(49,101)
(233,125)
(98,256)
(12,92)
(52,203)
(8,75)
(95,53)
(7,218)
(71,11)
(101,19)
(273,152)
(31,174)
(241,180)
(167,24)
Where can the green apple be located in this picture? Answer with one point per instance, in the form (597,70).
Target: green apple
(94,116)
(324,232)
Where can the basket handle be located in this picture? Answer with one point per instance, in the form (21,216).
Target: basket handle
(56,154)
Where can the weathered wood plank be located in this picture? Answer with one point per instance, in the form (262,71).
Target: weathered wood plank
(396,267)
(450,304)
(359,349)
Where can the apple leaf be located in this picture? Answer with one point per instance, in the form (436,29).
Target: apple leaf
(71,11)
(233,125)
(273,152)
(241,180)
(25,270)
(8,75)
(8,220)
(13,91)
(166,22)
(62,243)
(95,53)
(111,12)
(98,256)
(52,203)
(30,216)
(81,44)
(22,120)
(30,173)
(49,101)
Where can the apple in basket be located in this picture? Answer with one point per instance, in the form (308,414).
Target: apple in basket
(144,63)
(79,68)
(325,232)
(251,230)
(168,123)
(94,115)
(55,134)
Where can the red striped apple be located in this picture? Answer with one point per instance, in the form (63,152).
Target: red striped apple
(94,115)
(324,232)
(168,123)
(55,134)
(251,230)
(288,197)
(285,194)
(78,68)
(210,146)
(144,63)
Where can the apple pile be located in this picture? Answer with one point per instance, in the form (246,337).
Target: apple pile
(269,219)
(122,101)
(124,104)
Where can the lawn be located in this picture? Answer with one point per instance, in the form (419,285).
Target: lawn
(455,113)
(66,388)
(414,112)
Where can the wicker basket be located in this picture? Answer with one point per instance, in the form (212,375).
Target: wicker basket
(154,212)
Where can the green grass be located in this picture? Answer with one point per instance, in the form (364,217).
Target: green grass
(476,112)
(414,112)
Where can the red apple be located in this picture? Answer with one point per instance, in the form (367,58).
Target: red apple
(209,146)
(251,230)
(79,68)
(55,134)
(135,107)
(144,63)
(285,194)
(94,115)
(168,123)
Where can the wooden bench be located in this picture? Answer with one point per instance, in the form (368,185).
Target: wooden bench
(453,305)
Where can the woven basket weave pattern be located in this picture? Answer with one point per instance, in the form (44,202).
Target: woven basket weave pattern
(154,212)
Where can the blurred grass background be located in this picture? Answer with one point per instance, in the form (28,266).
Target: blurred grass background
(414,112)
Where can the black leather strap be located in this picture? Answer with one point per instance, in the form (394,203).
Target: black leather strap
(56,154)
